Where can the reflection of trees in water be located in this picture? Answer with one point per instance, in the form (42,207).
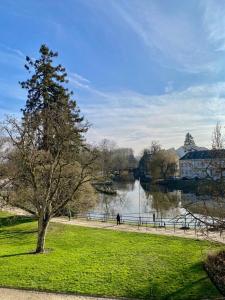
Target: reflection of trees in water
(111,205)
(124,186)
(207,205)
(148,187)
(206,199)
(161,200)
(105,202)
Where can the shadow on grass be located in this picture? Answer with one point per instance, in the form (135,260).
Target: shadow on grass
(199,288)
(18,234)
(192,289)
(17,254)
(10,234)
(15,220)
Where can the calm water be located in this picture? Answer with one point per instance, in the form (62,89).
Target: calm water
(133,199)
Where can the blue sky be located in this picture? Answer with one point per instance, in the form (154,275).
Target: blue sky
(141,70)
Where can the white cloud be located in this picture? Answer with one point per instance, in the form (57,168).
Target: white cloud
(133,119)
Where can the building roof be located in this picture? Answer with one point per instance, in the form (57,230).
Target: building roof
(204,154)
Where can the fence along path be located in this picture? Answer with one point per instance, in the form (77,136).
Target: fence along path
(131,223)
(181,226)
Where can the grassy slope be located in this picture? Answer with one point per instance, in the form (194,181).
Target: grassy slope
(94,261)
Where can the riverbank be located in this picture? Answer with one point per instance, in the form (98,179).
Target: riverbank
(185,185)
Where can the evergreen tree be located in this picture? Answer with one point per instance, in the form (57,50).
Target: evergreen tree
(189,143)
(49,104)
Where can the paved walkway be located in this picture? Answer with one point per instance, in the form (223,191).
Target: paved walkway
(14,294)
(213,236)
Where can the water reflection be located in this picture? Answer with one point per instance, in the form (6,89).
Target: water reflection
(145,199)
(204,205)
(133,198)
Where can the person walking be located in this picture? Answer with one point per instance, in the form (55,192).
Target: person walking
(118,219)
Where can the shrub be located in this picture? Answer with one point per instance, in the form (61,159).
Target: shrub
(215,267)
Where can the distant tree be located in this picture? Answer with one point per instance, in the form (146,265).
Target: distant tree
(106,148)
(112,158)
(123,159)
(155,147)
(163,164)
(144,165)
(217,138)
(189,143)
(50,164)
(132,160)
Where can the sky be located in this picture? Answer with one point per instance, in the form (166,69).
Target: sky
(141,70)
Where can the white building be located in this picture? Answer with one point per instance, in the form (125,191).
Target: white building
(202,164)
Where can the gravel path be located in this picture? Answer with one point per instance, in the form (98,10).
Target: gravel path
(14,294)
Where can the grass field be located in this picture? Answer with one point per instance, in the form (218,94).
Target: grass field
(103,262)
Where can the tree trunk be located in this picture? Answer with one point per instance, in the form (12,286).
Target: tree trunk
(42,229)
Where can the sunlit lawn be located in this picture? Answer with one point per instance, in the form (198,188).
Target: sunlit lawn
(103,262)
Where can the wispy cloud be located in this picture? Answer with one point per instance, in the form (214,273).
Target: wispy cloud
(12,97)
(11,56)
(176,39)
(214,21)
(11,90)
(78,80)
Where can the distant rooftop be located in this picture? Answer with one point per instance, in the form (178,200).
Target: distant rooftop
(204,154)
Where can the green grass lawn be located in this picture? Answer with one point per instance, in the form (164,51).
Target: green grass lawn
(103,262)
